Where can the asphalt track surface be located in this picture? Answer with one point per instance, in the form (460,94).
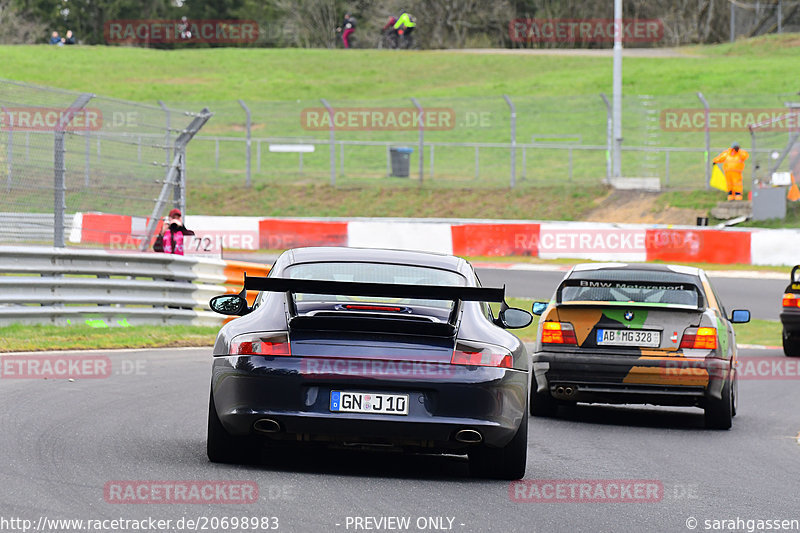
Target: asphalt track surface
(63,441)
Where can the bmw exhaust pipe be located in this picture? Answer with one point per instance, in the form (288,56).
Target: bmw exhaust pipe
(560,390)
(266,425)
(568,391)
(469,436)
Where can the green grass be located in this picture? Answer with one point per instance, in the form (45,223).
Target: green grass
(18,338)
(554,95)
(279,74)
(555,202)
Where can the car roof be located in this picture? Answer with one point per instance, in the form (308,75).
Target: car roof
(376,255)
(645,267)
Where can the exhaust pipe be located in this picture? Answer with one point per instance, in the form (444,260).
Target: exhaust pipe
(560,390)
(469,436)
(568,391)
(267,425)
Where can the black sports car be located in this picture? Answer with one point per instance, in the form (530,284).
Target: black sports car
(371,348)
(790,315)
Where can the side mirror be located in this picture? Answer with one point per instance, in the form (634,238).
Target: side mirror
(538,308)
(229,304)
(740,316)
(513,318)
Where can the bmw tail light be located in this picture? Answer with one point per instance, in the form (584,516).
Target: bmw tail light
(261,344)
(791,300)
(558,333)
(479,354)
(700,339)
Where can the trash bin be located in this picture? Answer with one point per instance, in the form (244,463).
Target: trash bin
(401,161)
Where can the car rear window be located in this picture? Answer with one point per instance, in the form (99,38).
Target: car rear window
(632,286)
(375,273)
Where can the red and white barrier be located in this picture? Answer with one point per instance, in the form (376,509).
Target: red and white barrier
(546,240)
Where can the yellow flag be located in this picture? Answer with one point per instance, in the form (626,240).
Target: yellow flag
(794,192)
(718,180)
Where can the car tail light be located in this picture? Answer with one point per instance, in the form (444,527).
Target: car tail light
(700,339)
(261,344)
(791,300)
(558,333)
(476,354)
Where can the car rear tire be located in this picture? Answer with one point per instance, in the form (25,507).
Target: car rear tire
(719,413)
(221,446)
(791,344)
(508,462)
(542,403)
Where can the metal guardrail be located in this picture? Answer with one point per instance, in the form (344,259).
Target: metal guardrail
(44,285)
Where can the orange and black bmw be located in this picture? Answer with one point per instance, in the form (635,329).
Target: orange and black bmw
(648,334)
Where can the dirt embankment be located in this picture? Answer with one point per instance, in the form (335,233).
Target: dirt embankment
(636,207)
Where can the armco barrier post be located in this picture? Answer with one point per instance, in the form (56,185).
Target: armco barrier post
(60,168)
(249,142)
(708,139)
(514,141)
(332,142)
(420,117)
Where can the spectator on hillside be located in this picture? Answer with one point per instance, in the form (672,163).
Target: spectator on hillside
(69,39)
(347,28)
(55,39)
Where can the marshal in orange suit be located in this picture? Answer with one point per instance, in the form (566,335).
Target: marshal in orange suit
(732,161)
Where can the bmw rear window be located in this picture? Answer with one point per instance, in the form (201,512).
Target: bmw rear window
(632,286)
(375,273)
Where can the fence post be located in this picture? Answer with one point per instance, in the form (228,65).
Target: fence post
(708,139)
(752,149)
(733,22)
(477,162)
(609,135)
(421,118)
(248,147)
(666,169)
(514,140)
(86,158)
(168,117)
(780,16)
(176,176)
(332,141)
(9,151)
(60,168)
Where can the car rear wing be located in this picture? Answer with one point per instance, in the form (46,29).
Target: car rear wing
(384,290)
(594,289)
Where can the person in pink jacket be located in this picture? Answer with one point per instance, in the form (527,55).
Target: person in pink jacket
(173,233)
